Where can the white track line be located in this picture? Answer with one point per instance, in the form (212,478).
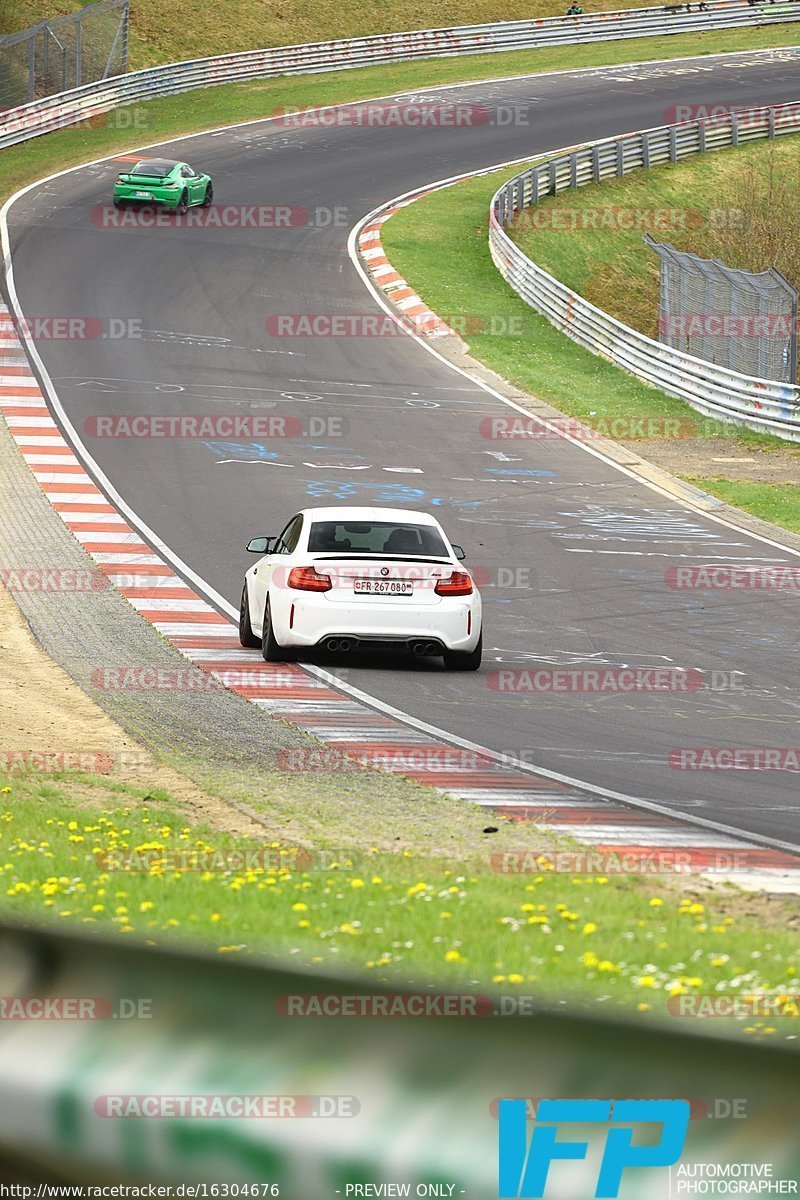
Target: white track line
(214,597)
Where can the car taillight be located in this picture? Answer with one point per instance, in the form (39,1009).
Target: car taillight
(121,179)
(457,584)
(308,579)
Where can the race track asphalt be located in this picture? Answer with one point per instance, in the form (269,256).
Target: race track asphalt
(575,551)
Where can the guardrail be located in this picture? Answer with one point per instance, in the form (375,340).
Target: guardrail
(400,1099)
(717,391)
(68,108)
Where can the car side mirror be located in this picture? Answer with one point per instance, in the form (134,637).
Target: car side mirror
(260,545)
(458,551)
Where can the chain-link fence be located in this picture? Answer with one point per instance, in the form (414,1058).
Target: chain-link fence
(64,53)
(736,319)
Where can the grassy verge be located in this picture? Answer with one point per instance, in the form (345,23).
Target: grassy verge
(609,940)
(170,117)
(700,201)
(440,245)
(778,503)
(189,29)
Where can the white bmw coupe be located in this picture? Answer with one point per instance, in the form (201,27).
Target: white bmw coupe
(344,579)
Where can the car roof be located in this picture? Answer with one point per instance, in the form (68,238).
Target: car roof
(402,516)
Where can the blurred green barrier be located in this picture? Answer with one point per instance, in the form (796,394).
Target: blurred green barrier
(416,1095)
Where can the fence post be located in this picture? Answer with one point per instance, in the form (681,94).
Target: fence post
(31,69)
(78,51)
(734,128)
(552,187)
(646,150)
(126,19)
(596,163)
(701,137)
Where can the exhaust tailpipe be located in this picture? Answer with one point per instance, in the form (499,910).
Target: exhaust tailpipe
(424,648)
(332,644)
(345,644)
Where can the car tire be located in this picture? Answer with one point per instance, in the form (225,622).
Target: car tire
(459,660)
(182,207)
(209,196)
(119,203)
(270,649)
(246,635)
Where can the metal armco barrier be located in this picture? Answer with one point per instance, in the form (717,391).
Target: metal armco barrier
(417,1095)
(68,108)
(760,404)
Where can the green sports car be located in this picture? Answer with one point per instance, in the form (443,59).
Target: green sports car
(162,181)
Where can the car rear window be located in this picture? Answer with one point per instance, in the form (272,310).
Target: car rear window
(155,168)
(375,537)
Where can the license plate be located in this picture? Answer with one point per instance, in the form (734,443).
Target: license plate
(143,195)
(383,587)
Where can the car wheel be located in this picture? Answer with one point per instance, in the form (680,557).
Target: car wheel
(182,206)
(119,203)
(209,196)
(270,649)
(458,660)
(246,635)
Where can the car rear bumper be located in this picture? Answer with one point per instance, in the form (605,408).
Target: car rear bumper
(128,196)
(453,624)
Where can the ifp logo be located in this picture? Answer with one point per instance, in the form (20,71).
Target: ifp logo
(523,1169)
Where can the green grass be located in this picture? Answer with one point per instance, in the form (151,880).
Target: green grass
(607,940)
(699,199)
(191,29)
(440,245)
(775,502)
